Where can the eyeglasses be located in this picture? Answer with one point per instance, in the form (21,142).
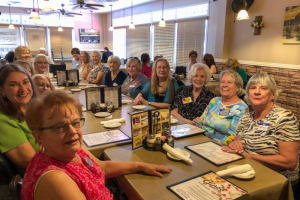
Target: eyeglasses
(64,126)
(45,63)
(44,85)
(162,68)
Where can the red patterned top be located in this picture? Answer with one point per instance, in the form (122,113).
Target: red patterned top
(90,181)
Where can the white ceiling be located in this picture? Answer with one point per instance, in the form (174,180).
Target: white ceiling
(56,4)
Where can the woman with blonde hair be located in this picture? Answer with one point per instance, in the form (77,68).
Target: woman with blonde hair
(160,91)
(43,83)
(23,53)
(85,65)
(41,65)
(233,63)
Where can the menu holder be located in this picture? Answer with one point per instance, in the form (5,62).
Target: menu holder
(61,77)
(105,137)
(73,75)
(142,124)
(212,152)
(206,186)
(92,94)
(185,130)
(112,94)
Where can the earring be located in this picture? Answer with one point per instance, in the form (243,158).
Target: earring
(42,148)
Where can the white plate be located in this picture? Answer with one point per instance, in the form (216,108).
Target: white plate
(123,95)
(60,88)
(75,90)
(83,109)
(102,114)
(126,101)
(245,175)
(139,107)
(187,154)
(174,121)
(112,124)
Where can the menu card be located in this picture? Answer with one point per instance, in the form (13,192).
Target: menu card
(112,94)
(61,77)
(213,153)
(105,137)
(207,186)
(185,130)
(73,75)
(92,94)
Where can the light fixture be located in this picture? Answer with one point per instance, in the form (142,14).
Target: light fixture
(92,30)
(60,28)
(162,22)
(131,26)
(111,28)
(34,13)
(243,14)
(11,26)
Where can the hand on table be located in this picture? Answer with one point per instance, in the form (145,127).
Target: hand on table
(234,147)
(196,120)
(153,169)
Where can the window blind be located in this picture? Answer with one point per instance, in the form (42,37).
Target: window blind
(62,40)
(164,41)
(35,39)
(137,41)
(190,36)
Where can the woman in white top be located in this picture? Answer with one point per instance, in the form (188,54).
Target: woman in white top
(193,58)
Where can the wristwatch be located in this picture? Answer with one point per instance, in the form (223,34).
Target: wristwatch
(149,103)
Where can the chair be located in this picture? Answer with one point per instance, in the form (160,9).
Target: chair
(7,172)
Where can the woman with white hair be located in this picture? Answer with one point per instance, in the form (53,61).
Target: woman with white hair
(115,76)
(190,101)
(269,134)
(223,114)
(96,74)
(41,64)
(43,51)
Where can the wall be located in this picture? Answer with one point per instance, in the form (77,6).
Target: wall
(267,47)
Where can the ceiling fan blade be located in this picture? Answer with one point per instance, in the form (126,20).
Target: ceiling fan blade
(99,5)
(75,7)
(91,8)
(71,13)
(50,13)
(68,15)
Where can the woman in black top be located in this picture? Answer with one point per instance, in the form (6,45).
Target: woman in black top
(106,54)
(115,76)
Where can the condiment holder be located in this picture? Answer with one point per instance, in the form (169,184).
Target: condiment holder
(155,143)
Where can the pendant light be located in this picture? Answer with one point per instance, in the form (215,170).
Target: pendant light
(60,28)
(34,13)
(243,14)
(131,26)
(92,30)
(162,22)
(111,28)
(11,26)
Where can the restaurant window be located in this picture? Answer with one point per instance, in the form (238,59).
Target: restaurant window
(190,36)
(119,42)
(164,41)
(61,40)
(137,41)
(35,39)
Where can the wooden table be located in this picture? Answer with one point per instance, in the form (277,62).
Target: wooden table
(267,183)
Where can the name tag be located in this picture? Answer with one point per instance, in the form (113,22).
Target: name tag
(187,100)
(115,84)
(132,86)
(88,161)
(224,111)
(263,127)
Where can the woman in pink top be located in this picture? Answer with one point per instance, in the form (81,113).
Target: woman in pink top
(146,69)
(63,168)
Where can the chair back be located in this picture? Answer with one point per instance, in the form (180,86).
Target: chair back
(7,172)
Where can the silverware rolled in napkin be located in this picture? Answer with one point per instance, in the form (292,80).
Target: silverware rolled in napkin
(176,153)
(236,170)
(113,120)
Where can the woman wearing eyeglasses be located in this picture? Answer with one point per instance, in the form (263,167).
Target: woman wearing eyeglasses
(43,83)
(16,140)
(63,168)
(41,64)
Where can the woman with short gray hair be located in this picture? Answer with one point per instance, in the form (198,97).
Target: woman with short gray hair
(190,101)
(222,116)
(269,134)
(115,76)
(96,74)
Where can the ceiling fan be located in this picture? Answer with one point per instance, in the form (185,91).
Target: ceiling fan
(81,4)
(63,12)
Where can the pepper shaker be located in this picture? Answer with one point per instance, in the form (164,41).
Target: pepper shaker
(157,144)
(170,140)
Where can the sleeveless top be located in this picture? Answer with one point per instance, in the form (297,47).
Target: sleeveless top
(91,181)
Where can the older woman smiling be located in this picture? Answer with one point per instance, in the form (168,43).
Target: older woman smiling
(64,168)
(115,76)
(191,101)
(222,116)
(41,64)
(96,74)
(23,53)
(135,82)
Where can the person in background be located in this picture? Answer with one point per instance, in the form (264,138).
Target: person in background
(190,101)
(9,57)
(222,116)
(135,80)
(269,134)
(85,65)
(115,76)
(43,83)
(233,63)
(76,57)
(26,65)
(96,74)
(157,57)
(146,69)
(41,65)
(106,54)
(160,90)
(63,168)
(43,51)
(17,141)
(209,60)
(22,53)
(193,60)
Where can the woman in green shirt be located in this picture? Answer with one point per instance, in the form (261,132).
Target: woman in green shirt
(233,63)
(16,140)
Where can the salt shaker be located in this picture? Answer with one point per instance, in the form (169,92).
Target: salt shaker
(150,141)
(157,144)
(170,141)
